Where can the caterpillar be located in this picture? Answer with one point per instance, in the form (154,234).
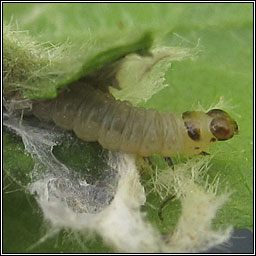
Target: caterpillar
(95,115)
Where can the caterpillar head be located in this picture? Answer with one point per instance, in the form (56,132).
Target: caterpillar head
(204,128)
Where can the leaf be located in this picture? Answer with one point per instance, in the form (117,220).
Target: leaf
(17,163)
(40,71)
(223,69)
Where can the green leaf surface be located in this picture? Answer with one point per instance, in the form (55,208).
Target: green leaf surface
(13,153)
(224,68)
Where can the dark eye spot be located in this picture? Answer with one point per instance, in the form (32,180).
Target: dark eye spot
(197,147)
(220,128)
(223,127)
(193,132)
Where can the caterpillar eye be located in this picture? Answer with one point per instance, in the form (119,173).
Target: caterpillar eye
(193,130)
(220,128)
(223,128)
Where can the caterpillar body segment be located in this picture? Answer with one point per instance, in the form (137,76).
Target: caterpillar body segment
(95,115)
